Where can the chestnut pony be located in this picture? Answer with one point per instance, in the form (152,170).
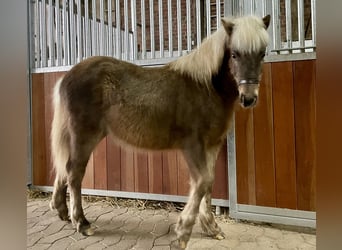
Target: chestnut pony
(185,105)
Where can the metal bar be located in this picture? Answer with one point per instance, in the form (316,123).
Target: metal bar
(86,30)
(208,17)
(218,13)
(38,37)
(288,23)
(43,34)
(153,52)
(126,40)
(198,22)
(51,34)
(313,22)
(79,32)
(301,28)
(110,28)
(72,33)
(58,35)
(169,22)
(188,25)
(94,27)
(101,35)
(276,25)
(143,30)
(179,27)
(161,28)
(66,34)
(134,29)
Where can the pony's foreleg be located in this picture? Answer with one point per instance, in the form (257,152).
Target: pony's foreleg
(201,181)
(58,200)
(206,216)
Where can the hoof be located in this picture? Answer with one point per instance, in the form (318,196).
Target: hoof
(219,236)
(52,206)
(88,232)
(182,244)
(85,229)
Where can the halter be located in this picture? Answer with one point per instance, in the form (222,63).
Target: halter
(249,82)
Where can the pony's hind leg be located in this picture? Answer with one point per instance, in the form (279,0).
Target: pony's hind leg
(58,200)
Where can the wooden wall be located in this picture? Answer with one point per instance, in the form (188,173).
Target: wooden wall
(275,145)
(111,167)
(276,157)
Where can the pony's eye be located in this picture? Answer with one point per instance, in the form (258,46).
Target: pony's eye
(263,55)
(234,55)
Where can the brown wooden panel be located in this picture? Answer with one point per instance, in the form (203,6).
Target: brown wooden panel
(220,187)
(113,165)
(170,173)
(245,164)
(265,186)
(88,180)
(305,122)
(155,172)
(38,131)
(100,165)
(141,172)
(127,169)
(284,134)
(183,175)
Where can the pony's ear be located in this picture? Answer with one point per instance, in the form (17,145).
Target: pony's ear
(228,26)
(267,20)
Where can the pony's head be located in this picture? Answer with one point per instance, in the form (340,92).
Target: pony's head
(248,40)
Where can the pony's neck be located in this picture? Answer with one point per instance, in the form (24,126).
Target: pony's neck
(205,61)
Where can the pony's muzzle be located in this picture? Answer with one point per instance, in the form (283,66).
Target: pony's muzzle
(248,93)
(247,101)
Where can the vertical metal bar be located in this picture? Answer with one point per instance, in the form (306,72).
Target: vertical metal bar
(208,17)
(43,33)
(188,25)
(153,55)
(301,34)
(134,29)
(276,25)
(232,169)
(94,31)
(288,24)
(313,22)
(80,39)
(228,7)
(143,30)
(101,35)
(37,33)
(218,13)
(86,29)
(58,35)
(126,40)
(72,33)
(65,34)
(51,34)
(110,28)
(118,30)
(198,22)
(161,28)
(268,10)
(179,27)
(169,22)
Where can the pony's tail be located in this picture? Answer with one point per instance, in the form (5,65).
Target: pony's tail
(60,137)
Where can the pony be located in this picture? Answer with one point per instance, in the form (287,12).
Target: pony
(186,105)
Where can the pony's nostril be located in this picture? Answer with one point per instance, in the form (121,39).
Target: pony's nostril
(247,101)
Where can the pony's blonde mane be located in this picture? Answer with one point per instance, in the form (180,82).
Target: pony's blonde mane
(248,35)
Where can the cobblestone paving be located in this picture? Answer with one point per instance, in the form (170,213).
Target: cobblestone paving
(133,228)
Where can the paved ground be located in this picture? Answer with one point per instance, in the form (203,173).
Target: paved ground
(135,228)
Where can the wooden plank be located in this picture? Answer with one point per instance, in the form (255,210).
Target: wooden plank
(113,165)
(220,187)
(265,186)
(245,164)
(183,175)
(155,172)
(100,165)
(141,172)
(284,134)
(170,173)
(38,131)
(305,123)
(88,180)
(127,169)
